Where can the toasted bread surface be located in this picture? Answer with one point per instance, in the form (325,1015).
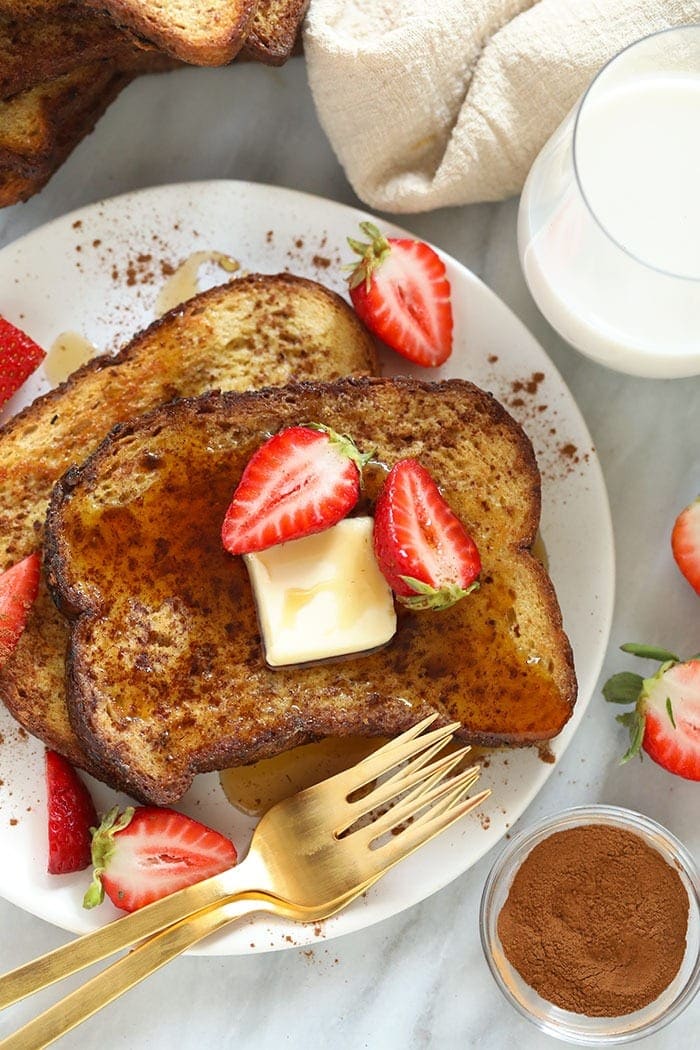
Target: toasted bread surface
(274,30)
(16,186)
(23,173)
(40,127)
(202,32)
(35,51)
(255,331)
(35,124)
(167,675)
(26,10)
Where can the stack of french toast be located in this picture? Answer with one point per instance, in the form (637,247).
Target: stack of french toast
(62,62)
(142,660)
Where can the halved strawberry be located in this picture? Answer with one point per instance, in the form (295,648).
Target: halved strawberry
(424,551)
(401,291)
(18,589)
(665,721)
(147,853)
(685,543)
(301,481)
(71,816)
(19,357)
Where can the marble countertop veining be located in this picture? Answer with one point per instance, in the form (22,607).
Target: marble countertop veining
(417,980)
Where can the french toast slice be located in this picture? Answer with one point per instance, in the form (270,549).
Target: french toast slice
(274,30)
(37,50)
(202,32)
(40,127)
(36,125)
(166,672)
(254,331)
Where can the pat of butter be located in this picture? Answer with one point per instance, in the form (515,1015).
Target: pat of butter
(322,596)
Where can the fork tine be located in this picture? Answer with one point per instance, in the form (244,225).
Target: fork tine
(418,800)
(452,798)
(416,772)
(421,832)
(424,788)
(406,746)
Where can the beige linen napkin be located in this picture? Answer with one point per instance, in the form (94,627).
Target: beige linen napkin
(436,102)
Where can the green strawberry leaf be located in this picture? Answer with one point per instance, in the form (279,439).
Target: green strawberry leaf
(427,597)
(649,652)
(373,254)
(635,723)
(343,443)
(623,688)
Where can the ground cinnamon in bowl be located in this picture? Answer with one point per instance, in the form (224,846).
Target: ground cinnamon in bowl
(590,925)
(595,921)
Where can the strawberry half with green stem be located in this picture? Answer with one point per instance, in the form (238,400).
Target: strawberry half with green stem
(19,357)
(147,853)
(665,721)
(71,817)
(401,291)
(685,543)
(302,480)
(18,589)
(423,550)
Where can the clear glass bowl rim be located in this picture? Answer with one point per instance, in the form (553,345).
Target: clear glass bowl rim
(576,816)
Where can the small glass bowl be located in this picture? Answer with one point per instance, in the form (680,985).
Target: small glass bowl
(573,1027)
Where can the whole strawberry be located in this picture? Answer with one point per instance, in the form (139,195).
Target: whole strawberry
(401,291)
(665,720)
(422,548)
(19,357)
(71,817)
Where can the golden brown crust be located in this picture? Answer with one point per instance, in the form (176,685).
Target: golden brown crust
(280,327)
(274,30)
(167,676)
(38,50)
(202,33)
(40,127)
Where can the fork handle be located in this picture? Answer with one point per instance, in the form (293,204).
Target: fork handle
(129,970)
(127,930)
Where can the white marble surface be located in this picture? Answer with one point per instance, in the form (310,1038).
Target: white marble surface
(417,980)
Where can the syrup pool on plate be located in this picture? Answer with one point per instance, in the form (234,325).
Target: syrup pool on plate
(609,223)
(68,351)
(184,282)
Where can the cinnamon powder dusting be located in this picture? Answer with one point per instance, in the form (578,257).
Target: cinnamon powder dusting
(596,921)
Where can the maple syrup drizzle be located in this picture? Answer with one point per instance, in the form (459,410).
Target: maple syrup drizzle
(184,282)
(297,598)
(68,351)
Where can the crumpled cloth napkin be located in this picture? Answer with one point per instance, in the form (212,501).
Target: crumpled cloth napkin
(430,103)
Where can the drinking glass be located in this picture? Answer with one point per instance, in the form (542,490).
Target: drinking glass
(609,220)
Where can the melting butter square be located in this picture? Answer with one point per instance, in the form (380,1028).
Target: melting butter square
(322,596)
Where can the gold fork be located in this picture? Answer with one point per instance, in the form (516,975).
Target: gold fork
(310,856)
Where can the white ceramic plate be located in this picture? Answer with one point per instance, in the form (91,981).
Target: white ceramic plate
(98,272)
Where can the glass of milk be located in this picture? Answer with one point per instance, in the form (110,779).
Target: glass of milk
(609,220)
